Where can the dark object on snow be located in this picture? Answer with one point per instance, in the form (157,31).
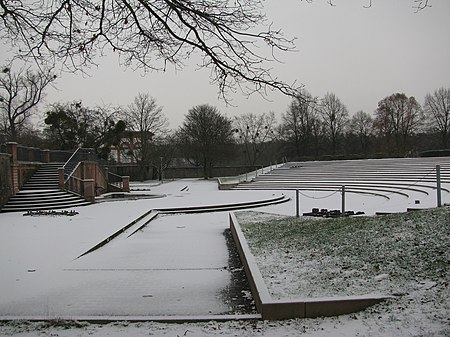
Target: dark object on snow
(325,213)
(52,213)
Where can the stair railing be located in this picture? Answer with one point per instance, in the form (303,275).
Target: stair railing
(81,154)
(75,185)
(102,181)
(115,181)
(82,187)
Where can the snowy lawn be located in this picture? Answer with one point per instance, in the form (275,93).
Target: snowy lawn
(420,306)
(405,255)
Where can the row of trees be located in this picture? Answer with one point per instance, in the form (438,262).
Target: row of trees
(310,127)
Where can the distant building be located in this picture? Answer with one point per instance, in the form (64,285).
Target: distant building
(130,146)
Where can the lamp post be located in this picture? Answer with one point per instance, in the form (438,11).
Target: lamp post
(161,169)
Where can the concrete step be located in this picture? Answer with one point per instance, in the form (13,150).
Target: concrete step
(42,180)
(29,200)
(44,206)
(40,186)
(43,200)
(45,175)
(41,192)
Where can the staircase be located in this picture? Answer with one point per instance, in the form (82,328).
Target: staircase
(41,192)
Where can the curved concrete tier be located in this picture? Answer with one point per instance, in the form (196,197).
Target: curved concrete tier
(382,177)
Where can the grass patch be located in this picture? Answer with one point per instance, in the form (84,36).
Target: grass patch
(392,254)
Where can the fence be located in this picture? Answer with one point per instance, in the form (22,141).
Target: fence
(37,155)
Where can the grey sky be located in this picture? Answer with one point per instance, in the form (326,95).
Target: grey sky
(362,55)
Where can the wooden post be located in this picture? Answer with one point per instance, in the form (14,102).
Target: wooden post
(343,200)
(297,203)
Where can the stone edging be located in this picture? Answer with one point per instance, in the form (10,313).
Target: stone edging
(133,319)
(296,308)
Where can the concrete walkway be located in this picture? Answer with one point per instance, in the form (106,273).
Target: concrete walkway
(178,265)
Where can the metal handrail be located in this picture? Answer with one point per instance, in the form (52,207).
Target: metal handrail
(83,154)
(115,179)
(80,154)
(70,158)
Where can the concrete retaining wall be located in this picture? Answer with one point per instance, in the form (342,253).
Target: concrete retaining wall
(271,309)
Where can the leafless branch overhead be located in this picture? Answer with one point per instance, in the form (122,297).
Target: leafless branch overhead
(232,37)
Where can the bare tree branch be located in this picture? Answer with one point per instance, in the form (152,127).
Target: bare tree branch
(150,35)
(20,92)
(254,133)
(368,5)
(420,4)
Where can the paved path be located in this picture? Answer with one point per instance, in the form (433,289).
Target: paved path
(179,265)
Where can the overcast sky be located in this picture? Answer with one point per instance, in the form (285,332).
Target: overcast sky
(362,55)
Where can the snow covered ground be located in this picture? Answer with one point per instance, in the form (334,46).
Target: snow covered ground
(403,255)
(37,253)
(177,265)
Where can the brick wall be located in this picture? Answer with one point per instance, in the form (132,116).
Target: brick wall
(5,179)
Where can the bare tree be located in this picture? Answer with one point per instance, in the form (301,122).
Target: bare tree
(418,5)
(298,122)
(362,124)
(20,93)
(205,136)
(334,117)
(437,110)
(398,117)
(145,122)
(228,35)
(255,133)
(165,149)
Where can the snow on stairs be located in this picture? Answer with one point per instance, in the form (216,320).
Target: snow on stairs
(46,177)
(41,192)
